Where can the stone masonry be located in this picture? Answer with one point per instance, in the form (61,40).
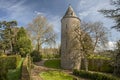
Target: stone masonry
(69,23)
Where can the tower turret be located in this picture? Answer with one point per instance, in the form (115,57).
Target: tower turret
(69,23)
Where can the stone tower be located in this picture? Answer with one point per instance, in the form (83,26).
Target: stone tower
(68,23)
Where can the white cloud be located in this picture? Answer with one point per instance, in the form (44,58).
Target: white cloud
(111,45)
(16,10)
(39,13)
(55,20)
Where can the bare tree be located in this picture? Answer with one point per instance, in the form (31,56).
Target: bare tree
(86,47)
(97,32)
(41,32)
(89,37)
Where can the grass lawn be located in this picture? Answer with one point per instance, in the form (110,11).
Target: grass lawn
(53,64)
(55,75)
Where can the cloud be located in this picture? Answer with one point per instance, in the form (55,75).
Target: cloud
(55,20)
(88,11)
(111,45)
(16,10)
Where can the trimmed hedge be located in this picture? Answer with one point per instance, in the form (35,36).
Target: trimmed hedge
(6,63)
(98,65)
(16,73)
(50,56)
(94,75)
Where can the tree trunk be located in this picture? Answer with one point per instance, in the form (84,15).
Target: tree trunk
(117,66)
(4,50)
(77,64)
(38,45)
(86,63)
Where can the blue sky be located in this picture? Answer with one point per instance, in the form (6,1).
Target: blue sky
(87,10)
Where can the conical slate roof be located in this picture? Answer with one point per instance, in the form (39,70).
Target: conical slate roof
(70,12)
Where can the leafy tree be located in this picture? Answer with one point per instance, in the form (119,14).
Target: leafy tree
(7,34)
(113,13)
(23,43)
(41,32)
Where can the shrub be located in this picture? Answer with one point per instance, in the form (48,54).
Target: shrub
(36,56)
(50,56)
(10,62)
(100,65)
(94,75)
(6,63)
(16,73)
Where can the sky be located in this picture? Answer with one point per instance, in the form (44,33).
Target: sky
(23,11)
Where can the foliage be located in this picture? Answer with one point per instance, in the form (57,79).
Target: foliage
(55,75)
(15,74)
(117,60)
(113,13)
(7,34)
(100,65)
(36,56)
(23,44)
(50,56)
(53,64)
(94,75)
(7,63)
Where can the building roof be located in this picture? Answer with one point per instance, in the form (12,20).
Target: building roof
(70,13)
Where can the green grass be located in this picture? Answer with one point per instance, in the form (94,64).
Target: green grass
(55,75)
(16,73)
(53,64)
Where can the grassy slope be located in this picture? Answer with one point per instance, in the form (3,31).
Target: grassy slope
(55,75)
(53,64)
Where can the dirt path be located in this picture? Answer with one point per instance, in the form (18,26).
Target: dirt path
(39,67)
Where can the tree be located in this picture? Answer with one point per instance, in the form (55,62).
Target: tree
(89,37)
(86,46)
(117,60)
(7,34)
(97,32)
(113,13)
(41,32)
(23,43)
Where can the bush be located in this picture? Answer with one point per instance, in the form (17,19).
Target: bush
(100,65)
(50,56)
(6,63)
(10,62)
(36,56)
(16,73)
(94,75)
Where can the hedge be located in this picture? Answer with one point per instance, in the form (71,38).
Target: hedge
(100,65)
(16,73)
(9,62)
(94,75)
(6,63)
